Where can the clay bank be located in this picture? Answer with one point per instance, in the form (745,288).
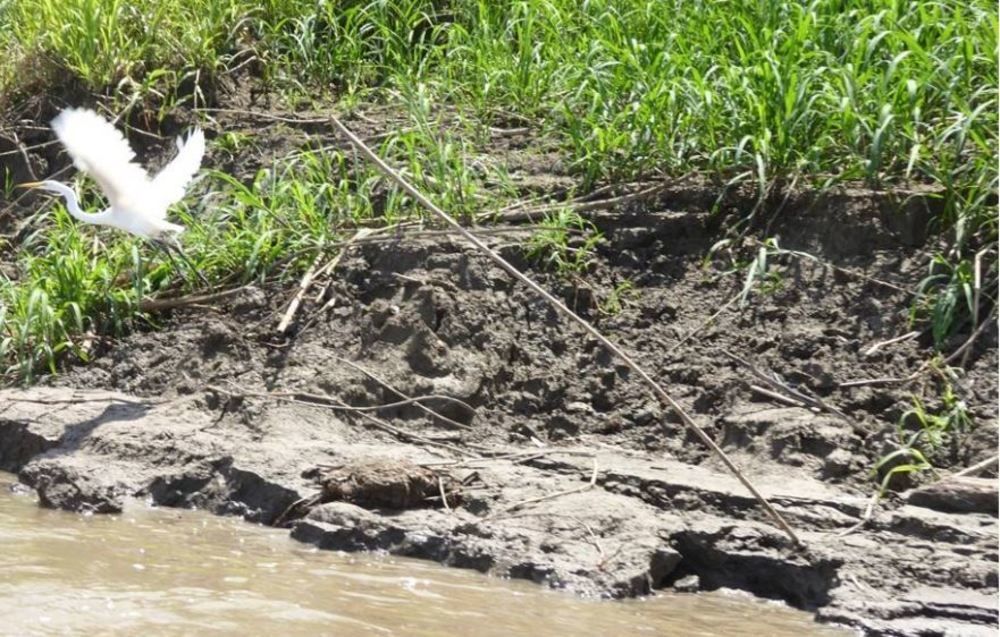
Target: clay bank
(427,406)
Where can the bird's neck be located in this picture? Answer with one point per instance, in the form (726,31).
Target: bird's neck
(73,205)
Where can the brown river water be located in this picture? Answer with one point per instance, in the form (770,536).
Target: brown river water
(155,571)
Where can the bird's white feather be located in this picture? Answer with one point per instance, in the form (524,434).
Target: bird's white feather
(170,183)
(101,151)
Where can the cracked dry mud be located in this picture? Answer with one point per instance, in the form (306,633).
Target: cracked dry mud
(159,415)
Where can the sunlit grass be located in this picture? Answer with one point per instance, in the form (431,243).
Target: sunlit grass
(78,280)
(887,93)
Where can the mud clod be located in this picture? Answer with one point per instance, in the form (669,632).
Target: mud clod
(389,484)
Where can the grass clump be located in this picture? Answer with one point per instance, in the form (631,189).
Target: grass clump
(564,242)
(888,93)
(925,437)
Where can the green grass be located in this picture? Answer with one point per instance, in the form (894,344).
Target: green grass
(565,242)
(888,93)
(925,437)
(79,280)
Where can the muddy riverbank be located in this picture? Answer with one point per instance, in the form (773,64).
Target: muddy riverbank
(554,463)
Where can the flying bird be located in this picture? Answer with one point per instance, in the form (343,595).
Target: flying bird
(138,203)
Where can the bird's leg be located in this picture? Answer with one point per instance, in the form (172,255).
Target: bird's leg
(170,249)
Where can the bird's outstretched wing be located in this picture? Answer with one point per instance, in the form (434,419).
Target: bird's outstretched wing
(101,151)
(171,182)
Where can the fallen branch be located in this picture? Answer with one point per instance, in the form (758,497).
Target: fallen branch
(159,305)
(658,391)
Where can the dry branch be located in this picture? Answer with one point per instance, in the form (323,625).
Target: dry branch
(170,303)
(304,284)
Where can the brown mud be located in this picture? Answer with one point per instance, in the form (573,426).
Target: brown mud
(555,464)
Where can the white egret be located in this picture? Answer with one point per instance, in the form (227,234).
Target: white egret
(138,203)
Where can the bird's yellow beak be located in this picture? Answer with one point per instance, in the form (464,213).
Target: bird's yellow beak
(29,184)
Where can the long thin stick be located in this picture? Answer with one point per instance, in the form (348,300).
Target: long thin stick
(976,468)
(658,391)
(388,386)
(558,494)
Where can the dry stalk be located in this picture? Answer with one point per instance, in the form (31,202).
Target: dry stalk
(427,410)
(976,468)
(340,405)
(170,303)
(658,391)
(293,306)
(558,494)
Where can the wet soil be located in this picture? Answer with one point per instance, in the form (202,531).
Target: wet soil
(539,456)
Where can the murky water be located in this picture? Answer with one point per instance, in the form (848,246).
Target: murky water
(168,572)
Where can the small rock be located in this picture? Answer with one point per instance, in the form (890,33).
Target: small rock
(688,584)
(837,464)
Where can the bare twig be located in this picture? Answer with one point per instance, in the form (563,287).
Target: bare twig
(338,404)
(905,337)
(420,406)
(304,284)
(976,468)
(658,391)
(159,305)
(549,496)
